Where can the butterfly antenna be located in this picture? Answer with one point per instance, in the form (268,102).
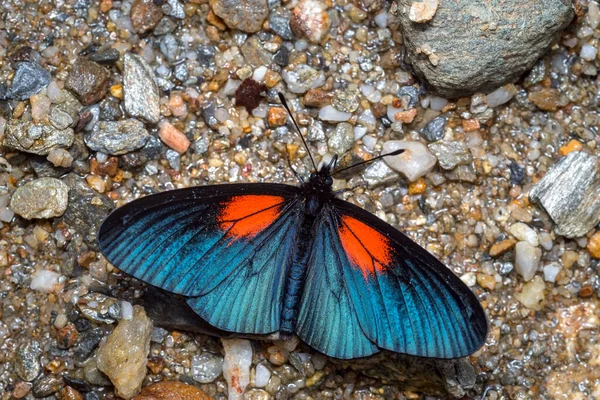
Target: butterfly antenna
(393,153)
(285,104)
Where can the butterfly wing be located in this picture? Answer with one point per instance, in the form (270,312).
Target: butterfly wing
(225,247)
(375,288)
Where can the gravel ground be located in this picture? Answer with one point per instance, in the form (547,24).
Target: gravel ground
(102,102)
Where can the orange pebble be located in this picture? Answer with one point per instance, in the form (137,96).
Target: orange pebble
(573,145)
(593,246)
(173,137)
(417,187)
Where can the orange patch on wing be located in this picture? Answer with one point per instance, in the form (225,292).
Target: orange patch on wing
(366,248)
(245,216)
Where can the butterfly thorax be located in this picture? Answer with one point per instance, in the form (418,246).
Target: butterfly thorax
(318,190)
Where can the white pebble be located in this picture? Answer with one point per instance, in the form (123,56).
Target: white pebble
(588,52)
(331,114)
(60,321)
(437,103)
(6,214)
(527,259)
(126,311)
(55,94)
(368,120)
(524,232)
(593,14)
(319,360)
(369,142)
(259,74)
(381,19)
(4,200)
(469,279)
(231,86)
(236,367)
(415,162)
(551,271)
(44,281)
(545,241)
(501,95)
(261,376)
(532,295)
(359,132)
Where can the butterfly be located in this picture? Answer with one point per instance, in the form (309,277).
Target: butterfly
(265,258)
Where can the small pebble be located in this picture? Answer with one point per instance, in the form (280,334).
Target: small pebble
(532,294)
(423,11)
(236,368)
(173,137)
(44,281)
(527,259)
(414,162)
(30,78)
(310,20)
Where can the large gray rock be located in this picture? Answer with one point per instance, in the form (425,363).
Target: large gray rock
(474,46)
(141,94)
(36,138)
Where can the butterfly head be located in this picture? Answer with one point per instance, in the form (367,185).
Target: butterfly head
(321,181)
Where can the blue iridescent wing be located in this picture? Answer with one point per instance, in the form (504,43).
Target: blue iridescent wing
(225,247)
(377,289)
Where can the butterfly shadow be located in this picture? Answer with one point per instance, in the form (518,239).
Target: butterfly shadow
(452,378)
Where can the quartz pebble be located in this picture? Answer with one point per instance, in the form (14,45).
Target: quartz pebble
(44,281)
(532,294)
(527,259)
(523,232)
(414,162)
(302,78)
(261,376)
(310,20)
(140,91)
(123,357)
(502,95)
(206,367)
(551,271)
(331,114)
(236,367)
(42,198)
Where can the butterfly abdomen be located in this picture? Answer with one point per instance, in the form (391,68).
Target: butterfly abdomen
(296,274)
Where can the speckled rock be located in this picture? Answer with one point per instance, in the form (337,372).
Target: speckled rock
(116,138)
(145,15)
(27,362)
(450,154)
(88,81)
(341,139)
(41,198)
(123,357)
(36,138)
(471,46)
(302,78)
(569,193)
(140,91)
(246,16)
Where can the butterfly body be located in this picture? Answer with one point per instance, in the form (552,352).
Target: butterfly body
(259,259)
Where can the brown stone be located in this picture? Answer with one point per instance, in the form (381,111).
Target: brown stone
(247,15)
(67,336)
(68,393)
(145,15)
(88,81)
(171,390)
(317,98)
(501,247)
(21,390)
(547,99)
